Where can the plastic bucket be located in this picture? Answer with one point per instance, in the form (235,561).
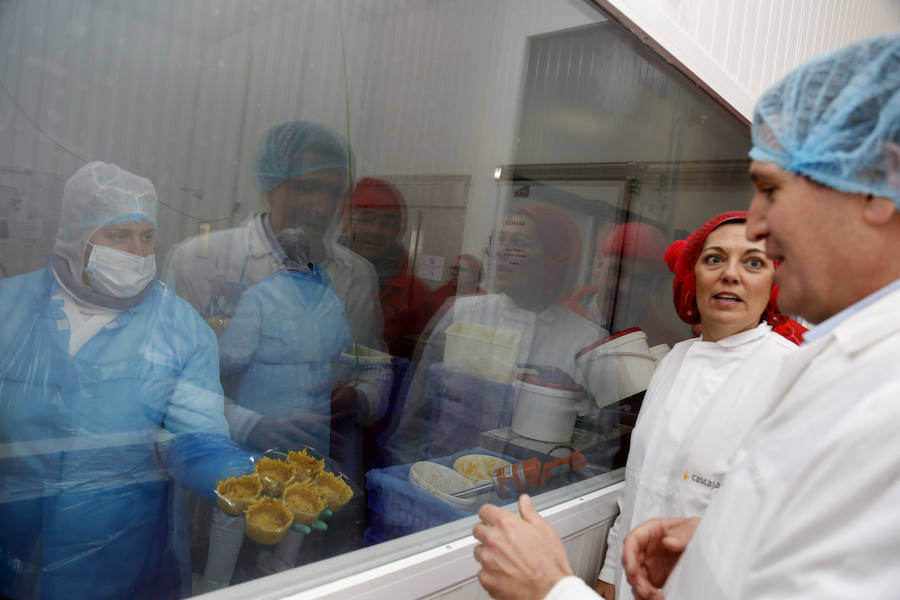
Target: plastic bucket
(545,411)
(617,367)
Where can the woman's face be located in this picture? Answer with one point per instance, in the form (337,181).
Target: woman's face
(520,256)
(734,281)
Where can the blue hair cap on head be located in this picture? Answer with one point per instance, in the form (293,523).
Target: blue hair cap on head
(836,119)
(299,147)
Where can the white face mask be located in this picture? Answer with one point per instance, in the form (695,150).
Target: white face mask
(117,273)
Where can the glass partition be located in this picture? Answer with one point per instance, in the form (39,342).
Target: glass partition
(285,279)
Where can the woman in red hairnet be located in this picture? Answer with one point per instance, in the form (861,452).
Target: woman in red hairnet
(538,253)
(629,278)
(708,391)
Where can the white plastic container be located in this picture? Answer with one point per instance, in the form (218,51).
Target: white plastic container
(618,366)
(545,411)
(442,482)
(482,351)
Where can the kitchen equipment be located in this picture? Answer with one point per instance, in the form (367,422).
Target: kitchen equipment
(545,410)
(441,481)
(525,477)
(618,366)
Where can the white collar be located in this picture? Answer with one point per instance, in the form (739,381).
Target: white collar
(828,325)
(742,337)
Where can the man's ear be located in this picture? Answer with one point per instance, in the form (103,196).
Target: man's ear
(878,210)
(892,158)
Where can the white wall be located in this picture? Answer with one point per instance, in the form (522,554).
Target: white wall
(181,92)
(741,47)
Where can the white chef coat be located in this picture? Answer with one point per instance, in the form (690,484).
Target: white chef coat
(703,399)
(211,271)
(812,505)
(549,338)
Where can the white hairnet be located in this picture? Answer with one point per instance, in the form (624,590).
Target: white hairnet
(96,195)
(834,118)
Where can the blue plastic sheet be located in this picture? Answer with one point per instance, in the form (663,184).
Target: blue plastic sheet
(97,446)
(460,408)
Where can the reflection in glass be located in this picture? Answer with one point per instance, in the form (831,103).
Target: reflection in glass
(437,296)
(110,406)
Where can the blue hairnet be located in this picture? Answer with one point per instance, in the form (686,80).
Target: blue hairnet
(831,119)
(298,147)
(98,195)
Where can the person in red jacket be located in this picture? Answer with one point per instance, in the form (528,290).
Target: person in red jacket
(374,225)
(629,273)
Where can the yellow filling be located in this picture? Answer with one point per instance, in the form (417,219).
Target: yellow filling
(276,470)
(333,489)
(269,514)
(304,501)
(235,493)
(306,466)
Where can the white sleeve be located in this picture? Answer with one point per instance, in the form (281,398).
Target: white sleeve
(571,588)
(613,547)
(241,421)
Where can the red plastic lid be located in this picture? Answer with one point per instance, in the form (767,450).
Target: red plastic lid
(618,334)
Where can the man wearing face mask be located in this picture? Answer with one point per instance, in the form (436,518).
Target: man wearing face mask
(109,391)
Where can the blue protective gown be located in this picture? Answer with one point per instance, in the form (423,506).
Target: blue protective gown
(90,444)
(286,332)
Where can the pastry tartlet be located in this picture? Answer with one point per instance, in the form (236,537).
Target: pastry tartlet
(268,520)
(274,475)
(306,466)
(304,502)
(234,495)
(333,490)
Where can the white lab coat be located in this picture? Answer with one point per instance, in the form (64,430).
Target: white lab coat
(212,271)
(700,404)
(812,505)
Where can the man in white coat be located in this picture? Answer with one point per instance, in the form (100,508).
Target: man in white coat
(810,505)
(303,170)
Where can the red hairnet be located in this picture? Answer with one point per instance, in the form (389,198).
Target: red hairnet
(633,239)
(682,256)
(378,194)
(472,263)
(561,243)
